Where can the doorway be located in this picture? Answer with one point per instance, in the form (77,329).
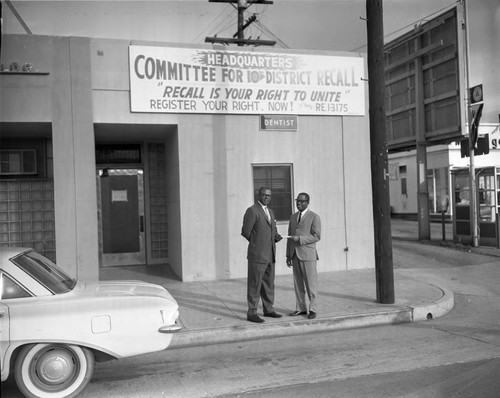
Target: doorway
(121,216)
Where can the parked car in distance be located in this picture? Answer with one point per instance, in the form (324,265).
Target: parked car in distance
(53,328)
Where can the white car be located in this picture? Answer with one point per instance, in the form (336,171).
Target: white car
(53,328)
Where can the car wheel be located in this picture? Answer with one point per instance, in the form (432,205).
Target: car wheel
(53,370)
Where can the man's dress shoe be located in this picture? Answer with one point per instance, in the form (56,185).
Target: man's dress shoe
(254,318)
(312,315)
(297,313)
(273,315)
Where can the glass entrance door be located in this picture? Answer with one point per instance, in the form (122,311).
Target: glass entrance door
(487,208)
(121,217)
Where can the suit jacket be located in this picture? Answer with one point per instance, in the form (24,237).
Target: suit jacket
(261,234)
(308,231)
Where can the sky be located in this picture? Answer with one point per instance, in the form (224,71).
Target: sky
(318,25)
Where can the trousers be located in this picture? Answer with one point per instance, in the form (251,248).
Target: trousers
(260,285)
(305,280)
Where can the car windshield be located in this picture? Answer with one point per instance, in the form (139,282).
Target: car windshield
(45,272)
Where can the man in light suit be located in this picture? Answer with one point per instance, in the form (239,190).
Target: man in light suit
(259,229)
(304,230)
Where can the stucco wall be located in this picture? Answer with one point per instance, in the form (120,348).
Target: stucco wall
(61,97)
(216,188)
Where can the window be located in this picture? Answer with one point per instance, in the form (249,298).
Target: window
(118,154)
(279,179)
(486,195)
(24,158)
(404,188)
(462,190)
(438,187)
(10,289)
(431,188)
(18,162)
(45,272)
(498,190)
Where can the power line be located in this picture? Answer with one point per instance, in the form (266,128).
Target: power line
(269,33)
(410,25)
(18,17)
(209,26)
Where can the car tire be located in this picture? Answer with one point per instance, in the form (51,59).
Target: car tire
(53,370)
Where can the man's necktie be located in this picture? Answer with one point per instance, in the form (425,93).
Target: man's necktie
(300,215)
(266,210)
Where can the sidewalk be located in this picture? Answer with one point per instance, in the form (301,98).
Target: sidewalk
(215,311)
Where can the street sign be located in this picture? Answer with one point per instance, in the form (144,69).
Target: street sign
(476,114)
(482,146)
(476,94)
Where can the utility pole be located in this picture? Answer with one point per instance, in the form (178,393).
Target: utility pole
(239,37)
(424,223)
(378,146)
(472,142)
(242,6)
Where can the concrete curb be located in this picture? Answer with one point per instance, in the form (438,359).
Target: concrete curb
(251,332)
(437,308)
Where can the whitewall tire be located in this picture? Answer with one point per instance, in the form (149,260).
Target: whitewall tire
(53,370)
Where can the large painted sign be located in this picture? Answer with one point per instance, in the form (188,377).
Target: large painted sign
(425,84)
(187,80)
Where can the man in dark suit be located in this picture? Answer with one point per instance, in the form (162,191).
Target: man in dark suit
(259,228)
(304,230)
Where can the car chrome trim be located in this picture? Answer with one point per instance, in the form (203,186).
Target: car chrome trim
(170,328)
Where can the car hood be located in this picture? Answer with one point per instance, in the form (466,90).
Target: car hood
(122,288)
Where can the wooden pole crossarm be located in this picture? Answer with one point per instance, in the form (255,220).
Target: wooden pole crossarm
(249,2)
(254,42)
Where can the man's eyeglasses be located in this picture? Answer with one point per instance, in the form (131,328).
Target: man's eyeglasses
(301,201)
